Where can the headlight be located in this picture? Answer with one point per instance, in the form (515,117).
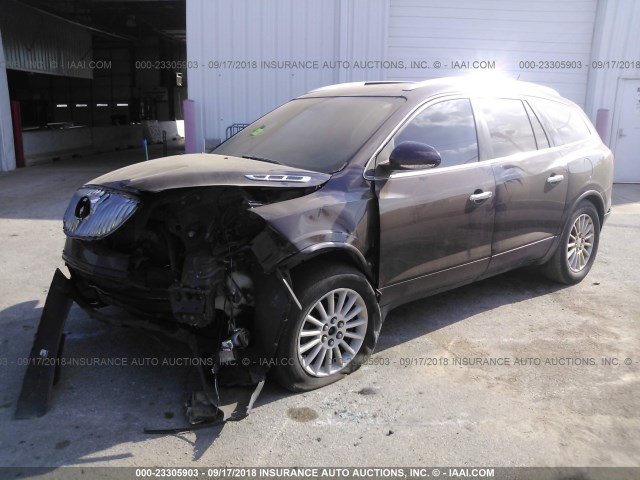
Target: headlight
(95,213)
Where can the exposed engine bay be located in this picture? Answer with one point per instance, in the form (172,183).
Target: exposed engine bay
(187,253)
(185,256)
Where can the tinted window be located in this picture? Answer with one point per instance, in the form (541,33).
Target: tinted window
(447,126)
(564,123)
(320,134)
(508,125)
(541,137)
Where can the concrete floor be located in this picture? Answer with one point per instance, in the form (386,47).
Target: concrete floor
(382,415)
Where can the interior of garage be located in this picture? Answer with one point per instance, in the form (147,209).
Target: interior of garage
(86,76)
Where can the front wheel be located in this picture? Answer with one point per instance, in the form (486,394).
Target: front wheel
(578,246)
(333,334)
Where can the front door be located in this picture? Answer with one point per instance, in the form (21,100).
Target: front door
(435,224)
(625,137)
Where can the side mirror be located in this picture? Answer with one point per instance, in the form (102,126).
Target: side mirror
(414,154)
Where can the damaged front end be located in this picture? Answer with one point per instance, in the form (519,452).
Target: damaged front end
(195,263)
(184,258)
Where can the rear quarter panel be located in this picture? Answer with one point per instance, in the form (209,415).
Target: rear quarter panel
(590,175)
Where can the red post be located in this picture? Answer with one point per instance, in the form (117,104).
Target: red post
(16,120)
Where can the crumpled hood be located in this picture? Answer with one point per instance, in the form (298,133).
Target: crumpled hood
(203,170)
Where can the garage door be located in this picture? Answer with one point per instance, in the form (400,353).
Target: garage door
(525,39)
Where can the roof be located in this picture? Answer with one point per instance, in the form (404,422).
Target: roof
(479,85)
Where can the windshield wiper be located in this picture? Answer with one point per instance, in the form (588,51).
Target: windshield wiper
(261,159)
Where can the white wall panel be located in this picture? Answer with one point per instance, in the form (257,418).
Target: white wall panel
(232,32)
(274,30)
(506,31)
(363,30)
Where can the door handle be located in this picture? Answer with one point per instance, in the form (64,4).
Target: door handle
(621,133)
(553,179)
(478,197)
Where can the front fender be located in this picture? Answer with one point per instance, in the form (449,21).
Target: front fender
(325,221)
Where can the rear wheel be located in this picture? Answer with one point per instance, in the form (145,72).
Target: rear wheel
(333,334)
(578,246)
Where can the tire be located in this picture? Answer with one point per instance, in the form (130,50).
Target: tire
(578,246)
(317,347)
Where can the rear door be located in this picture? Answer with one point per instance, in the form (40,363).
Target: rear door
(531,181)
(435,224)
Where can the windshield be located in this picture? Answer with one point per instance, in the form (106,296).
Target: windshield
(319,134)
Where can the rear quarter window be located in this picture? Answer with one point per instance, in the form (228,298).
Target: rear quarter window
(564,123)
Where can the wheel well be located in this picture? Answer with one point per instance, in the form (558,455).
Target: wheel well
(342,257)
(598,204)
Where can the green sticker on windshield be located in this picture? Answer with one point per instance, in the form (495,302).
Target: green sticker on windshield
(257,131)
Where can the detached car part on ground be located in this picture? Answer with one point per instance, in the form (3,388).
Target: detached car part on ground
(287,245)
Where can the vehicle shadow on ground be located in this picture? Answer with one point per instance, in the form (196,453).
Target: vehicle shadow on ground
(98,407)
(130,380)
(422,317)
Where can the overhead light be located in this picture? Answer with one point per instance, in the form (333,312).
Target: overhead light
(102,104)
(122,104)
(81,105)
(61,105)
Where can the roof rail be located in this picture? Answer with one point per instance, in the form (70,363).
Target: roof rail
(491,83)
(387,82)
(360,84)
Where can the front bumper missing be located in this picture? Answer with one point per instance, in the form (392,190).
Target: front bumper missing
(40,376)
(207,407)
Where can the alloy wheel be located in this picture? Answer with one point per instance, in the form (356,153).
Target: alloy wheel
(332,332)
(580,243)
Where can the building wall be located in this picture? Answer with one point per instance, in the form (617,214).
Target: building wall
(504,31)
(224,38)
(400,32)
(616,38)
(370,32)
